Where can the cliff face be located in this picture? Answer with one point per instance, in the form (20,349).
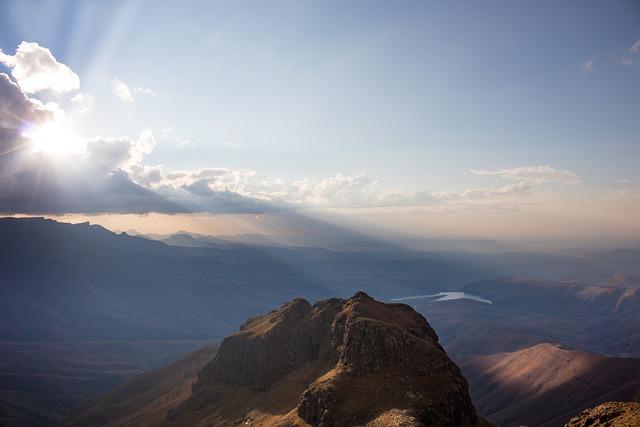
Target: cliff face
(336,363)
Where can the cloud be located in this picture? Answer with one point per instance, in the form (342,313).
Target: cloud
(145,91)
(113,174)
(83,101)
(35,69)
(633,51)
(182,141)
(121,90)
(517,189)
(588,65)
(532,174)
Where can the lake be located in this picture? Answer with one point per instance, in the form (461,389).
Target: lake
(444,296)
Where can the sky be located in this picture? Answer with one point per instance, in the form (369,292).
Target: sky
(465,119)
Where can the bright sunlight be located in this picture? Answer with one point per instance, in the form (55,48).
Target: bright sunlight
(54,139)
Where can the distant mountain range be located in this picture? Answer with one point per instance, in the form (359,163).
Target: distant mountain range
(67,289)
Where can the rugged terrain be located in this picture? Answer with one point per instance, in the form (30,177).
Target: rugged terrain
(335,363)
(542,351)
(610,414)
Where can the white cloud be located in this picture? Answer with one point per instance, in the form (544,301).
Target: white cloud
(83,101)
(182,141)
(35,69)
(633,51)
(170,132)
(517,189)
(532,174)
(121,90)
(113,174)
(588,65)
(108,154)
(145,91)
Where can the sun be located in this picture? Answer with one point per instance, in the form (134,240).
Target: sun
(54,139)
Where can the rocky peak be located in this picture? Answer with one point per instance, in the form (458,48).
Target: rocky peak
(338,363)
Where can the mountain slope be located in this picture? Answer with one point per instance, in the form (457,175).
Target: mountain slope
(147,397)
(545,385)
(336,363)
(40,383)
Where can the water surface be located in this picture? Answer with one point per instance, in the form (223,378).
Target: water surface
(444,296)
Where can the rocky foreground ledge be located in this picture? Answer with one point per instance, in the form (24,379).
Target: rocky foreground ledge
(610,414)
(335,363)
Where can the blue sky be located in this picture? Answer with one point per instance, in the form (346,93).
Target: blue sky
(412,95)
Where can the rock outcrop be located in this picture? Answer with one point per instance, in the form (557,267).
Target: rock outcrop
(336,363)
(610,414)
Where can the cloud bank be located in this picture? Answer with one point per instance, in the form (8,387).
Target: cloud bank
(110,174)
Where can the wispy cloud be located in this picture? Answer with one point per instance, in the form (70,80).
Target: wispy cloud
(517,189)
(630,58)
(83,101)
(532,174)
(121,90)
(145,91)
(170,133)
(588,65)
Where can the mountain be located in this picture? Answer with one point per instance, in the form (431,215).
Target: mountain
(524,312)
(542,350)
(545,385)
(40,383)
(68,291)
(335,363)
(610,414)
(559,297)
(70,282)
(186,240)
(621,279)
(147,397)
(82,285)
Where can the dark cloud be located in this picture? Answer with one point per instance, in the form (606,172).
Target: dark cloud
(46,190)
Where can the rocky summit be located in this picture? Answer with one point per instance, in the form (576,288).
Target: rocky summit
(336,363)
